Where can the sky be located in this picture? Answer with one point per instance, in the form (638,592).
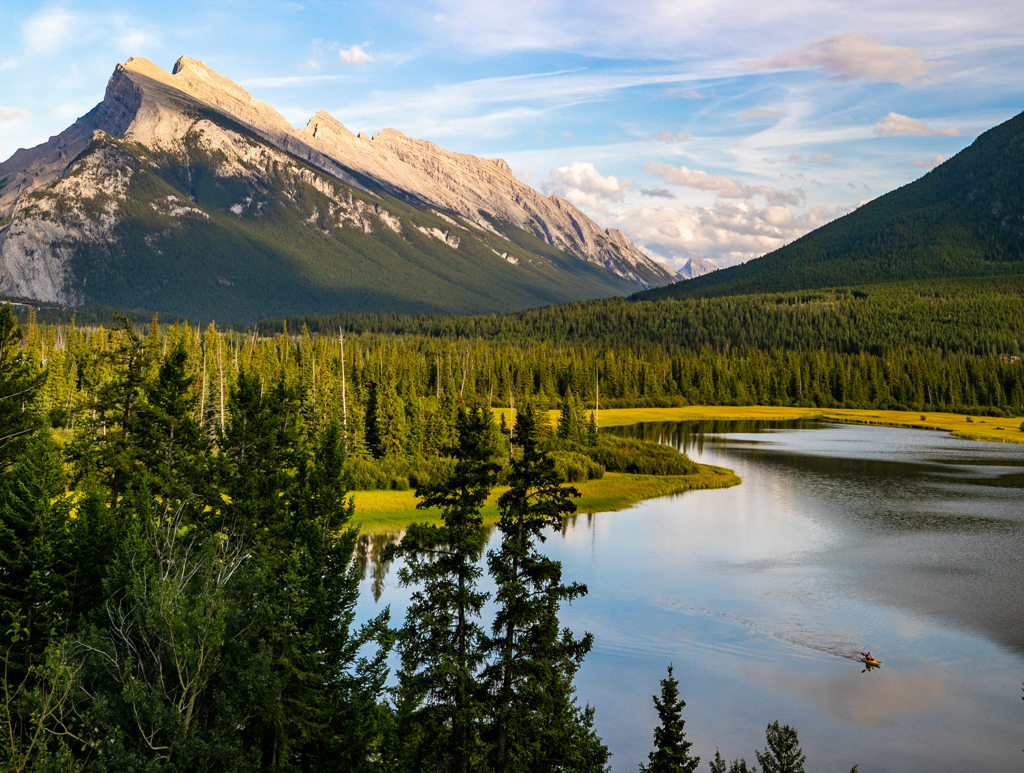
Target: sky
(717,129)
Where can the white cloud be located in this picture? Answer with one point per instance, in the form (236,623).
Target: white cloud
(13,113)
(695,178)
(760,113)
(670,138)
(823,157)
(8,64)
(657,193)
(931,163)
(48,31)
(356,55)
(726,233)
(853,56)
(687,94)
(725,187)
(583,185)
(895,124)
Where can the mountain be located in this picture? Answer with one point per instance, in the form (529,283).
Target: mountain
(965,218)
(696,267)
(182,193)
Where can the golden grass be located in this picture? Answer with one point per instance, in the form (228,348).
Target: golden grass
(967,427)
(391,511)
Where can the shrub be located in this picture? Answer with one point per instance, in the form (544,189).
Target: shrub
(640,457)
(574,467)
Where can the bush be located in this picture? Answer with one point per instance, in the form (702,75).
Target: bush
(574,467)
(639,457)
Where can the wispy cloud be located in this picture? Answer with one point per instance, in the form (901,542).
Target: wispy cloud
(13,113)
(853,56)
(48,31)
(726,187)
(683,94)
(931,163)
(760,113)
(895,124)
(671,138)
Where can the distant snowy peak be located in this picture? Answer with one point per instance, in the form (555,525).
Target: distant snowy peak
(696,267)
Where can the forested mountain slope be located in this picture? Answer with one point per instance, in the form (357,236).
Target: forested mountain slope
(183,194)
(965,218)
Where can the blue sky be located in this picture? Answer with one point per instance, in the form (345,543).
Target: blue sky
(720,129)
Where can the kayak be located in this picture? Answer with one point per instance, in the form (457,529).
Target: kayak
(870,662)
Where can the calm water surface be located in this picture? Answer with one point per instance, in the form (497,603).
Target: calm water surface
(841,539)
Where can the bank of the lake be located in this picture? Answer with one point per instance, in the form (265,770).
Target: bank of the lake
(988,428)
(391,511)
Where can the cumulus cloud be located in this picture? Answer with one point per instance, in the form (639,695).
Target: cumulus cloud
(583,185)
(853,56)
(356,55)
(726,233)
(895,124)
(823,157)
(670,138)
(760,113)
(931,163)
(13,113)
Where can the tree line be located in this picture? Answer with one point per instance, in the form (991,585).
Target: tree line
(178,588)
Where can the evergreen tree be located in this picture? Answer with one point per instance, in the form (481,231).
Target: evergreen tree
(783,754)
(18,384)
(33,540)
(536,724)
(672,750)
(736,766)
(442,644)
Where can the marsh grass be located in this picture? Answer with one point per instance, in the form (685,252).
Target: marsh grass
(380,512)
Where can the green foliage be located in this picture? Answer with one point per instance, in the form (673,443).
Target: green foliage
(783,754)
(640,457)
(672,750)
(441,705)
(534,663)
(18,382)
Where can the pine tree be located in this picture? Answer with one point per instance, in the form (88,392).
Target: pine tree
(536,724)
(442,644)
(18,383)
(783,754)
(672,750)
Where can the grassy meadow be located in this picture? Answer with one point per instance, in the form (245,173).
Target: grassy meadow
(391,511)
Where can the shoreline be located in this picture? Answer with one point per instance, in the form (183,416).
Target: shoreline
(381,512)
(982,428)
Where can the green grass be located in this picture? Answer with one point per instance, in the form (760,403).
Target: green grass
(380,512)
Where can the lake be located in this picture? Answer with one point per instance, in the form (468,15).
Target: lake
(841,539)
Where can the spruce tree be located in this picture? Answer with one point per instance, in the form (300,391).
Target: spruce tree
(536,724)
(18,384)
(672,750)
(783,754)
(442,643)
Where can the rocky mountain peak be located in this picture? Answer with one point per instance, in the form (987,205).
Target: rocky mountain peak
(156,108)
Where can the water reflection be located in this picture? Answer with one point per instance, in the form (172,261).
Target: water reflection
(841,539)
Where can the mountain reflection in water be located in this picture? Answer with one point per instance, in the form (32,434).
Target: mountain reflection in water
(841,539)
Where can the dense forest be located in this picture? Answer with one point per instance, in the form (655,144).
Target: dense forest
(968,316)
(178,577)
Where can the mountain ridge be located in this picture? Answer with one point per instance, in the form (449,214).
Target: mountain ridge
(965,218)
(148,113)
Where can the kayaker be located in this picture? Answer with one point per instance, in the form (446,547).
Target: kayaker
(868,656)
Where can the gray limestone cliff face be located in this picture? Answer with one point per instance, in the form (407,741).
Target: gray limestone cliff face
(156,109)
